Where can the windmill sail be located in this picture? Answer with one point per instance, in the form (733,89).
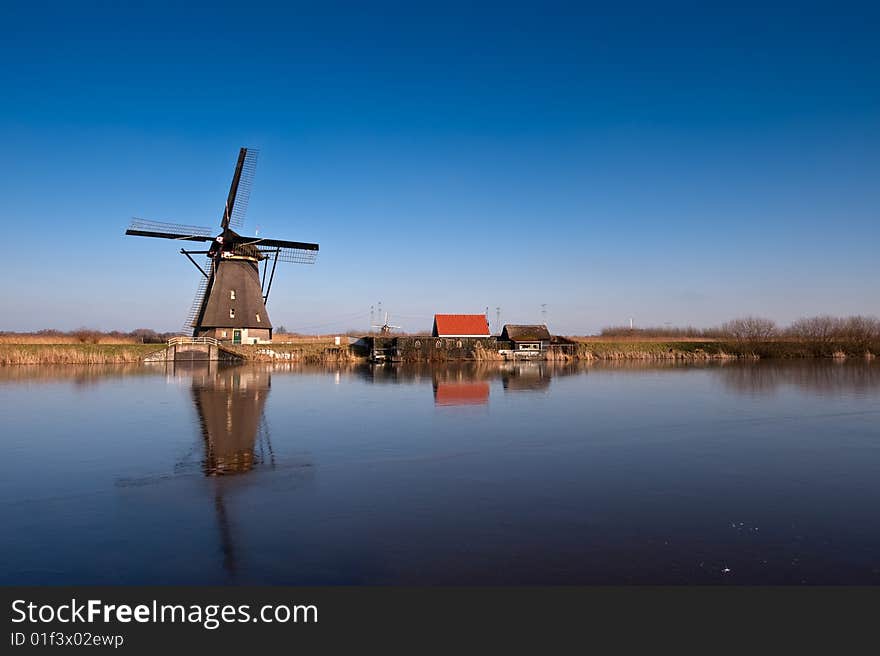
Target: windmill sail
(199,298)
(293,255)
(297,252)
(179,231)
(240,189)
(244,189)
(280,243)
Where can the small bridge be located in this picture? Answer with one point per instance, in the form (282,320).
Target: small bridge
(192,349)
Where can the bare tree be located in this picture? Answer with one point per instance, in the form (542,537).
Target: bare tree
(661,331)
(860,331)
(823,329)
(86,335)
(750,329)
(146,335)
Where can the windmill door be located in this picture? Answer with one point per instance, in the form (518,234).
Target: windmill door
(236,337)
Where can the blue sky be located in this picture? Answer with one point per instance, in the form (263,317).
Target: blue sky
(676,164)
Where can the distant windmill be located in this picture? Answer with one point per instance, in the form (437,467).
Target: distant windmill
(231,300)
(386,328)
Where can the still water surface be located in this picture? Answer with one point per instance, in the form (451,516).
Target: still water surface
(504,474)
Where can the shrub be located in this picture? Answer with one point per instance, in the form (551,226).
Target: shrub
(750,329)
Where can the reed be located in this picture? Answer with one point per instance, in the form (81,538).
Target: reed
(33,338)
(688,349)
(14,354)
(309,352)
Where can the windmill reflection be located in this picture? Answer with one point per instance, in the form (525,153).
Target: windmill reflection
(229,401)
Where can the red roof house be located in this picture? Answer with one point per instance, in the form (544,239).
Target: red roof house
(460,325)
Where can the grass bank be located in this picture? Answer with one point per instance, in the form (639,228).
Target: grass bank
(311,352)
(11,354)
(326,352)
(690,349)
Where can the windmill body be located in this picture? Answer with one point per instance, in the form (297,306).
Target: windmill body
(238,272)
(235,303)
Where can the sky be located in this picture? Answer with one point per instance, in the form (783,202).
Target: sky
(678,164)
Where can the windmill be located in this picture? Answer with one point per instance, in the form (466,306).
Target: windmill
(385,328)
(230,304)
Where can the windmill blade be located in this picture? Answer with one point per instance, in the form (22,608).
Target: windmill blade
(276,243)
(162,230)
(240,189)
(293,255)
(248,170)
(198,299)
(297,252)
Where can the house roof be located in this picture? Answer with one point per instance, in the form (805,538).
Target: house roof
(461,325)
(526,333)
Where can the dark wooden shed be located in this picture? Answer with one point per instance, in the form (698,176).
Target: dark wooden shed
(527,337)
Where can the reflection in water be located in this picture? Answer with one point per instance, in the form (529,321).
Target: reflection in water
(528,376)
(468,383)
(230,402)
(750,377)
(816,376)
(461,393)
(592,472)
(79,374)
(459,386)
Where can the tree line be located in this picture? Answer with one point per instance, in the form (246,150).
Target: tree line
(822,330)
(90,336)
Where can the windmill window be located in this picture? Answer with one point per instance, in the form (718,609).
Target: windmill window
(258,318)
(231,294)
(232,313)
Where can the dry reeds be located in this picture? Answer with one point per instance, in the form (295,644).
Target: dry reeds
(295,338)
(32,338)
(14,354)
(85,336)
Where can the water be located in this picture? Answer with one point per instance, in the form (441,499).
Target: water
(505,474)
